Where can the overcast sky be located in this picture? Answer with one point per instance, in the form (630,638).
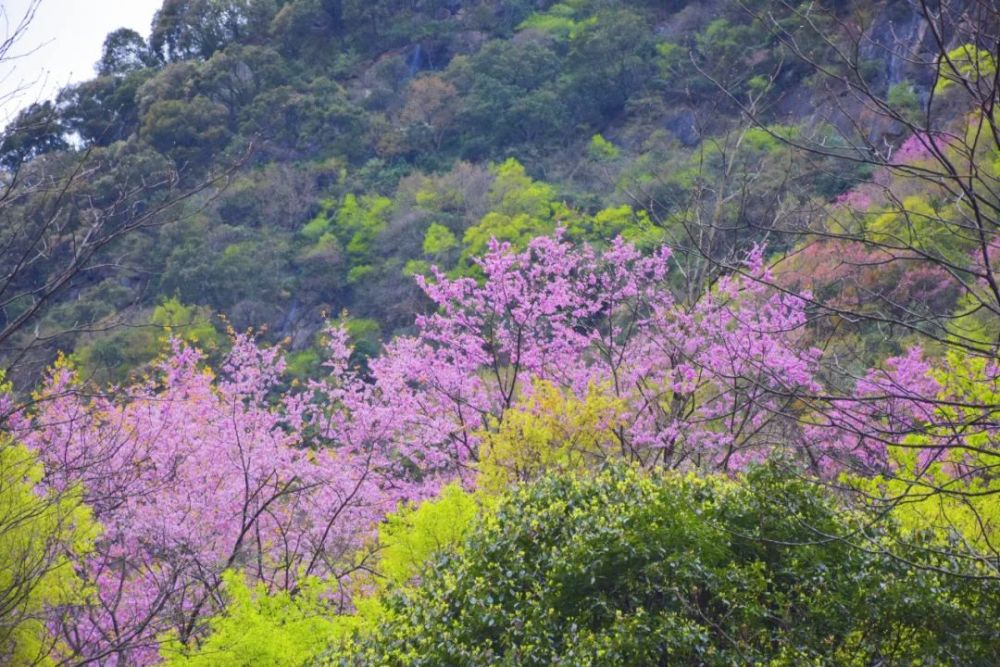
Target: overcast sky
(62,44)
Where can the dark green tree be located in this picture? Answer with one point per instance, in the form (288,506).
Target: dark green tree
(185,29)
(189,131)
(35,131)
(105,109)
(124,51)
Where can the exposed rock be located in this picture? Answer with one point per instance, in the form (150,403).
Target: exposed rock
(683,125)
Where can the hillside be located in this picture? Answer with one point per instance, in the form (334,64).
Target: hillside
(311,156)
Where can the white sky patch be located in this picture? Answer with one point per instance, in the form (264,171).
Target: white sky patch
(61,45)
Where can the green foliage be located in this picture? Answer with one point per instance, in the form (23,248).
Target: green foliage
(261,628)
(919,222)
(410,537)
(188,323)
(520,209)
(966,63)
(190,132)
(416,267)
(972,322)
(35,131)
(636,227)
(509,96)
(611,58)
(359,274)
(103,110)
(601,150)
(40,535)
(303,364)
(124,51)
(242,272)
(365,334)
(359,221)
(516,193)
(548,432)
(198,28)
(316,228)
(439,240)
(903,98)
(623,569)
(560,20)
(112,357)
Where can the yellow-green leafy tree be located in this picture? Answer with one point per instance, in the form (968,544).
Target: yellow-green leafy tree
(41,534)
(549,431)
(264,629)
(521,208)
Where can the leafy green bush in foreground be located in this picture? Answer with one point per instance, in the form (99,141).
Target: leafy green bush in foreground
(626,569)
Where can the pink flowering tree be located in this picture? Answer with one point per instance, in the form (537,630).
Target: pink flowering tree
(191,474)
(887,406)
(711,386)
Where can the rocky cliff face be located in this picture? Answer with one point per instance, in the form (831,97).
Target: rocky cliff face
(893,51)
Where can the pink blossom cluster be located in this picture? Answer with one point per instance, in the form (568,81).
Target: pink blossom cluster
(918,146)
(704,386)
(886,406)
(190,474)
(858,199)
(904,403)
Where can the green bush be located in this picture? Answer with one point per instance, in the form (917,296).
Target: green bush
(632,570)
